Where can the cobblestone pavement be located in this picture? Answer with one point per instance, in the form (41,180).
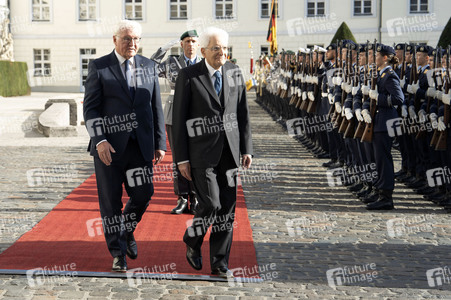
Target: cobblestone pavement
(305,231)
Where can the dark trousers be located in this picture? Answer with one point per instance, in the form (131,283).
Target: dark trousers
(216,192)
(182,186)
(136,174)
(382,144)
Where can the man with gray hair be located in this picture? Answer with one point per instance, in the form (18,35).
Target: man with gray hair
(211,130)
(124,118)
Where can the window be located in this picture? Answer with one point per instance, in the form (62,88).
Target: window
(41,59)
(265,9)
(87,10)
(264,50)
(224,9)
(41,10)
(178,10)
(316,8)
(134,10)
(419,6)
(362,8)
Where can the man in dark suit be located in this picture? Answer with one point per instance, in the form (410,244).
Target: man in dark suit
(170,68)
(124,117)
(211,129)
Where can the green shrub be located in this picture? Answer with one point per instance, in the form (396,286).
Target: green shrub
(13,78)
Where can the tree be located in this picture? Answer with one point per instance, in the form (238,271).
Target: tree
(445,37)
(343,33)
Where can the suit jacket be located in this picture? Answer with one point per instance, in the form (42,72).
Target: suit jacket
(200,123)
(170,71)
(110,112)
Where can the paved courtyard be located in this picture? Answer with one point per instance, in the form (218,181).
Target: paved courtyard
(313,241)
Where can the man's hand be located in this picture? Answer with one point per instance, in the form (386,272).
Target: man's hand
(159,155)
(104,149)
(185,170)
(246,161)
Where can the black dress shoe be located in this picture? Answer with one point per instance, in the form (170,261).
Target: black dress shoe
(222,272)
(400,173)
(381,204)
(371,197)
(330,162)
(337,164)
(323,155)
(132,247)
(193,204)
(119,264)
(356,187)
(364,191)
(194,258)
(426,190)
(182,204)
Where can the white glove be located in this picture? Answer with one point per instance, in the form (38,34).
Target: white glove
(365,89)
(299,92)
(415,88)
(402,83)
(355,89)
(338,107)
(431,92)
(304,96)
(310,96)
(338,80)
(433,118)
(343,85)
(373,94)
(315,79)
(404,112)
(438,95)
(441,124)
(421,116)
(412,113)
(170,44)
(358,114)
(292,89)
(331,98)
(308,79)
(348,113)
(446,98)
(409,89)
(366,116)
(348,88)
(302,79)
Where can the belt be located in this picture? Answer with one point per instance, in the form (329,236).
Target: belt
(172,92)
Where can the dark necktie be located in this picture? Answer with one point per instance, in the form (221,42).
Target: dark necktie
(188,63)
(128,78)
(218,82)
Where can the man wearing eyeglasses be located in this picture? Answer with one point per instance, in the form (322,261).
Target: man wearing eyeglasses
(124,117)
(212,132)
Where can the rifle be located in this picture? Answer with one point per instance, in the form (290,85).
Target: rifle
(350,129)
(293,99)
(422,131)
(305,102)
(438,85)
(441,143)
(301,83)
(331,113)
(349,80)
(361,127)
(337,116)
(369,128)
(312,104)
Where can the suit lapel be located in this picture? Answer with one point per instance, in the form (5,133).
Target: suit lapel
(117,72)
(206,81)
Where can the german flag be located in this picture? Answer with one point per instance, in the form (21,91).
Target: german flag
(272,30)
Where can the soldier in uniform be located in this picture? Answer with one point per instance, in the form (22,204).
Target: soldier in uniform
(169,69)
(387,94)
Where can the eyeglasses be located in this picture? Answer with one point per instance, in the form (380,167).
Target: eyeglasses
(217,48)
(128,39)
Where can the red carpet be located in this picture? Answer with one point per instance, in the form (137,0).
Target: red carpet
(63,236)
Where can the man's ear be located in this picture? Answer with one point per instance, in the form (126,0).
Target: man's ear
(202,50)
